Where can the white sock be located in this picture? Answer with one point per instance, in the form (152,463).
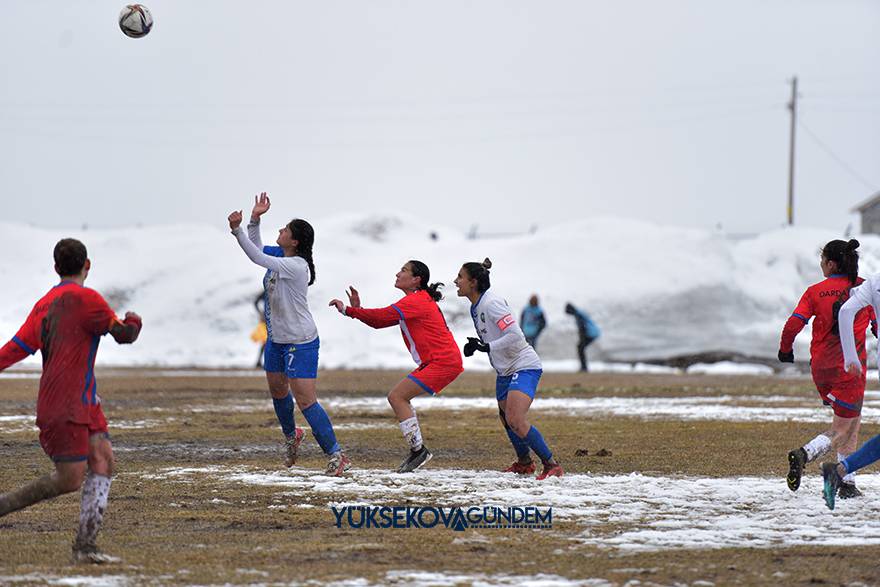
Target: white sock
(412,432)
(95,491)
(817,447)
(849,477)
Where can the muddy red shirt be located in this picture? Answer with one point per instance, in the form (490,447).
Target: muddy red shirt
(66,325)
(826,354)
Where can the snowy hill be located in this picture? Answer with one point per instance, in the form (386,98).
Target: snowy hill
(655,291)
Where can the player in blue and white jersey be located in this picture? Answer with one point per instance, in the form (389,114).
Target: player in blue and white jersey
(291,355)
(516,363)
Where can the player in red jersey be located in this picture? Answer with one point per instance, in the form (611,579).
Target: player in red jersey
(428,339)
(66,325)
(842,391)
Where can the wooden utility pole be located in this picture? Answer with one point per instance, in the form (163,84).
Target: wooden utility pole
(792,107)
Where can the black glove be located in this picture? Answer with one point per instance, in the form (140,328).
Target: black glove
(473,345)
(786,357)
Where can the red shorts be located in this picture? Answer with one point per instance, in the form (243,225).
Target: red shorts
(66,441)
(844,397)
(433,377)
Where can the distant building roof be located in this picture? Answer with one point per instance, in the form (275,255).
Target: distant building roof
(869,203)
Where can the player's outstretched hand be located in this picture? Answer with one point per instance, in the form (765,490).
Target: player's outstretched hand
(473,345)
(786,357)
(853,368)
(354,298)
(261,205)
(234,219)
(339,305)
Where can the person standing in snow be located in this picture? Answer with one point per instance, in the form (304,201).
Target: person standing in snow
(842,391)
(835,473)
(533,321)
(588,332)
(427,338)
(516,363)
(291,355)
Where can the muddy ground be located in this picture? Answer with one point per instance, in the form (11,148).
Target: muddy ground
(205,531)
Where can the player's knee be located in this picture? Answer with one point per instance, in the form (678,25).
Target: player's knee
(69,481)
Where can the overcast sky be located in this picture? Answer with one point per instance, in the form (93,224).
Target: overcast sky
(500,113)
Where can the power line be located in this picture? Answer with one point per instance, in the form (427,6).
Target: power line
(843,164)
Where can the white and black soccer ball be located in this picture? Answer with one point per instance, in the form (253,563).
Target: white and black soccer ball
(135,21)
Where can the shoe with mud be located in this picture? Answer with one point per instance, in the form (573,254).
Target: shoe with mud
(551,470)
(416,459)
(848,491)
(797,460)
(521,468)
(338,464)
(831,481)
(93,556)
(291,446)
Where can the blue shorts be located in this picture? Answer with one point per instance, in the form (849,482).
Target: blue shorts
(297,361)
(525,381)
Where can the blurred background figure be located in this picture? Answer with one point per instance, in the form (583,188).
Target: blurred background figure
(587,333)
(260,334)
(532,321)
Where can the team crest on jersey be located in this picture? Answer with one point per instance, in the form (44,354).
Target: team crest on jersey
(505,322)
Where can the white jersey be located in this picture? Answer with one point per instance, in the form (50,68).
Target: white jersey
(288,319)
(508,350)
(866,294)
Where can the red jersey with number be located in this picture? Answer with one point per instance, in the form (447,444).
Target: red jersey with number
(424,329)
(823,300)
(66,325)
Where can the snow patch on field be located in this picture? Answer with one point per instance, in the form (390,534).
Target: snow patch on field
(632,512)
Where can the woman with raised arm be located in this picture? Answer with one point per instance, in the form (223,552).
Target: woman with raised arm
(428,339)
(516,363)
(291,355)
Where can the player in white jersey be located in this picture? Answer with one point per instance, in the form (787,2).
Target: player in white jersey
(291,354)
(514,360)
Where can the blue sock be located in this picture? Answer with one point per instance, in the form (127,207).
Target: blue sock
(863,457)
(322,429)
(520,445)
(537,444)
(284,411)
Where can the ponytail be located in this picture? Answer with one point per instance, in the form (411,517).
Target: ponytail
(480,272)
(845,256)
(303,232)
(421,270)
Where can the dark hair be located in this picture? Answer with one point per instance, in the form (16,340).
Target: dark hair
(480,272)
(419,269)
(70,257)
(303,232)
(844,254)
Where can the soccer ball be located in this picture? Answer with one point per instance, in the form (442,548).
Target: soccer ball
(135,21)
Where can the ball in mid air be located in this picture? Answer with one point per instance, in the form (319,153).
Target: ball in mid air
(135,21)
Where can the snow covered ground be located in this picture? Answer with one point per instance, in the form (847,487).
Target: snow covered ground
(655,291)
(643,512)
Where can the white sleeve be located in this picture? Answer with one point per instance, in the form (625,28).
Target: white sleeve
(859,297)
(499,313)
(258,256)
(253,231)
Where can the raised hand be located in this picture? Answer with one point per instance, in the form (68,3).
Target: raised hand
(261,205)
(234,219)
(339,305)
(354,298)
